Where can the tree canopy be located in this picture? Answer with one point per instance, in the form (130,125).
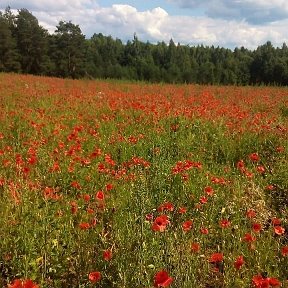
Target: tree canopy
(27,47)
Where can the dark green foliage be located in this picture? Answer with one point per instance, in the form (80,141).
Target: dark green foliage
(9,58)
(27,47)
(68,50)
(31,42)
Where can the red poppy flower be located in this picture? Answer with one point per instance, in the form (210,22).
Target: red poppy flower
(203,200)
(249,238)
(84,226)
(160,223)
(109,160)
(258,281)
(254,157)
(149,217)
(274,282)
(195,247)
(100,196)
(257,227)
(162,279)
(209,190)
(94,276)
(261,169)
(165,206)
(269,187)
(107,255)
(261,282)
(93,222)
(239,262)
(224,223)
(276,221)
(75,184)
(240,165)
(249,174)
(250,213)
(23,284)
(74,207)
(90,210)
(284,251)
(279,230)
(109,187)
(216,258)
(182,210)
(187,225)
(204,230)
(280,149)
(86,197)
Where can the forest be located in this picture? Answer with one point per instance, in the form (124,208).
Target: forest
(26,47)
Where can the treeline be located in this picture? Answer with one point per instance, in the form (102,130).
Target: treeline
(26,47)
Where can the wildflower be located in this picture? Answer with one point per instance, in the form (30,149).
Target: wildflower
(165,206)
(254,157)
(249,238)
(162,279)
(108,159)
(95,153)
(239,262)
(94,276)
(204,231)
(261,282)
(209,191)
(258,281)
(195,247)
(149,217)
(100,196)
(280,149)
(284,251)
(249,174)
(269,187)
(160,223)
(187,225)
(84,226)
(107,255)
(86,197)
(182,210)
(75,184)
(203,200)
(216,257)
(260,169)
(90,210)
(224,223)
(276,221)
(55,167)
(109,187)
(240,165)
(279,230)
(257,227)
(23,284)
(274,282)
(74,207)
(250,213)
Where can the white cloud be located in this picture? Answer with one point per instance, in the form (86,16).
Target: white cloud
(253,11)
(53,5)
(224,32)
(122,21)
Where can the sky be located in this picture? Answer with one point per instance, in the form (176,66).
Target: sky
(224,23)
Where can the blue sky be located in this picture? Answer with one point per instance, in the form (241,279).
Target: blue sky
(170,7)
(225,23)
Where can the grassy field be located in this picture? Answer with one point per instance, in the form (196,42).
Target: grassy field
(111,184)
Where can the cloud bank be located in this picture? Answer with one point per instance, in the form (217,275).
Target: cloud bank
(227,23)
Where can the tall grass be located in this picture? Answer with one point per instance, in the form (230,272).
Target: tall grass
(87,167)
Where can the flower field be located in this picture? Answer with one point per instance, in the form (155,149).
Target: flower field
(114,184)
